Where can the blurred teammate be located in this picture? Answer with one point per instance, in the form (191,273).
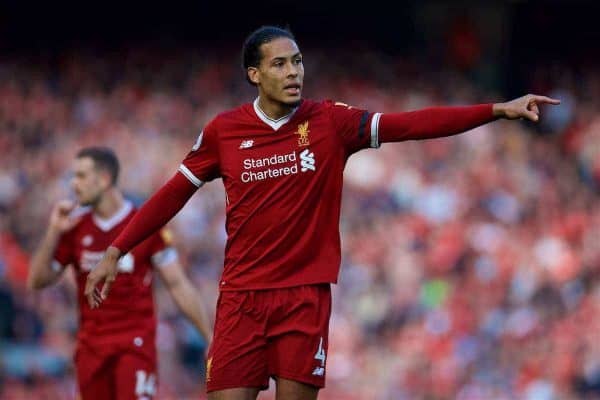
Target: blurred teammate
(116,351)
(281,159)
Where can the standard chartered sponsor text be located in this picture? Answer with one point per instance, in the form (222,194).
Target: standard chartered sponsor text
(275,160)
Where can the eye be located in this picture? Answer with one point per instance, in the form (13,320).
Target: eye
(298,61)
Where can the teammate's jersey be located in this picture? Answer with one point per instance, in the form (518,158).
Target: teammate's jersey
(129,310)
(283,182)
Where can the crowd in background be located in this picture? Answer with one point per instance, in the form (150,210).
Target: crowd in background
(471,264)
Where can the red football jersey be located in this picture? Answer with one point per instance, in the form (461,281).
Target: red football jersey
(283,182)
(129,310)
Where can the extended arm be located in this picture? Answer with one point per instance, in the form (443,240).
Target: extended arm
(446,121)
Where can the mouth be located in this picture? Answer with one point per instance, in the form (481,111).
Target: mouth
(293,89)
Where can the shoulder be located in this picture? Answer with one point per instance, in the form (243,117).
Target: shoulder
(325,105)
(337,105)
(312,108)
(234,116)
(315,105)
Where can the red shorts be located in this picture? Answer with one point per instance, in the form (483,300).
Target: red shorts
(117,372)
(270,333)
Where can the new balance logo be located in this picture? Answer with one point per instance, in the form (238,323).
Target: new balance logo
(319,371)
(246,144)
(307,160)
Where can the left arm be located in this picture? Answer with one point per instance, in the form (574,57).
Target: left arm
(186,297)
(446,121)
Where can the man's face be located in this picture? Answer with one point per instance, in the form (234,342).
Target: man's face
(88,181)
(281,72)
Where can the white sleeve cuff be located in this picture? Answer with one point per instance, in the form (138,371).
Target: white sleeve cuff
(375,131)
(191,177)
(165,257)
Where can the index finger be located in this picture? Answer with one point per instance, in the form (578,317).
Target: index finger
(90,286)
(545,99)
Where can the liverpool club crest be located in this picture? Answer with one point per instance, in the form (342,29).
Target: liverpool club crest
(302,133)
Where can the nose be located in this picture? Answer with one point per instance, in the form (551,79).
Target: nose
(292,71)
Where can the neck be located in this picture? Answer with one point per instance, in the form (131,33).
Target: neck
(110,202)
(274,109)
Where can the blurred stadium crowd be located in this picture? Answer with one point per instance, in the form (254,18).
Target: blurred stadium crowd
(471,265)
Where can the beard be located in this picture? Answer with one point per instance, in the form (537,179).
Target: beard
(291,103)
(90,202)
(295,103)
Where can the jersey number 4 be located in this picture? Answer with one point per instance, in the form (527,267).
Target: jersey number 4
(320,355)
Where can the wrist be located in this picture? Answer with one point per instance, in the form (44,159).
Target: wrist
(53,232)
(498,110)
(113,253)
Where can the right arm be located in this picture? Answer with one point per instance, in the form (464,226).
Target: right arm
(44,270)
(200,165)
(153,215)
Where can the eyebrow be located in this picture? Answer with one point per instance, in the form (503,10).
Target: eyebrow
(283,58)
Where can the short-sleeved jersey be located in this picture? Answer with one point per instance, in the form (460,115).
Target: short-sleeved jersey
(283,184)
(129,310)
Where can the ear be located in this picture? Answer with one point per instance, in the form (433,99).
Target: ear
(253,75)
(106,179)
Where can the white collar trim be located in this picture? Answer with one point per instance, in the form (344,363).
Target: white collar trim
(273,123)
(109,223)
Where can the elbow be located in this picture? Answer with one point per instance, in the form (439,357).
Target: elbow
(34,281)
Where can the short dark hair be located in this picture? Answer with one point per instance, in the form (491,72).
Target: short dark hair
(103,158)
(251,54)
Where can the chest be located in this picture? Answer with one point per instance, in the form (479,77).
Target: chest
(295,152)
(90,243)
